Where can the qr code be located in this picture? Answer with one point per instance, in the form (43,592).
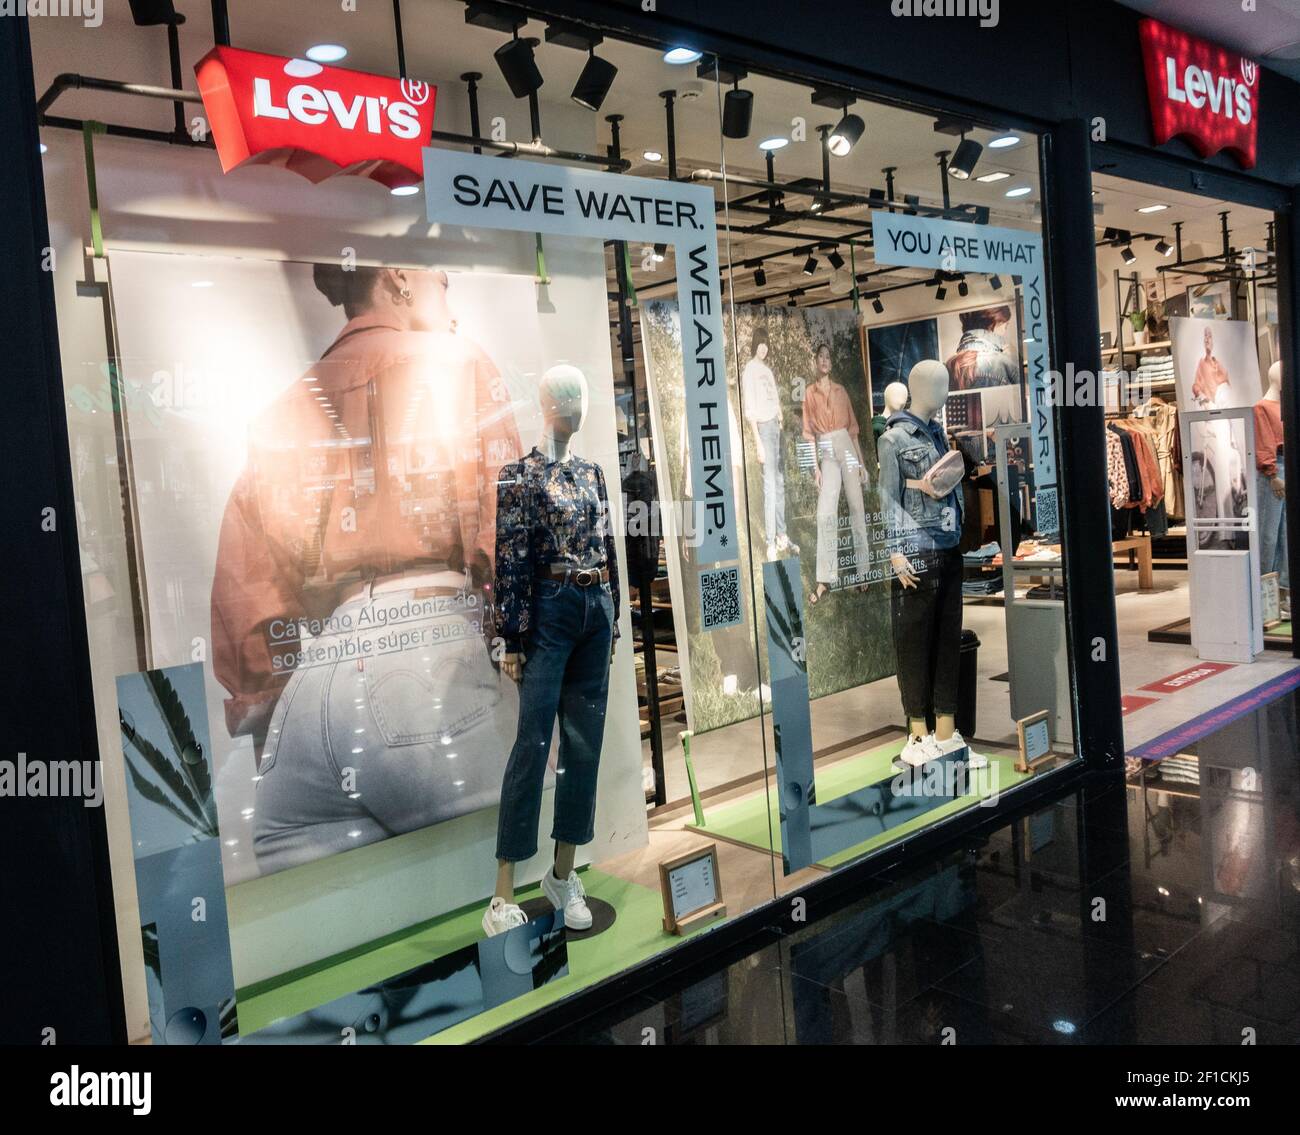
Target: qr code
(719,598)
(1048,518)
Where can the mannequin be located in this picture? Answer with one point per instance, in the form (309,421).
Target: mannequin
(895,400)
(763,412)
(1270,467)
(923,532)
(557,611)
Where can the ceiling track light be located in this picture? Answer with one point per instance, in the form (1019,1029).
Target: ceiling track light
(1164,248)
(941,293)
(1127,253)
(519,67)
(877,305)
(760,278)
(846,134)
(963,288)
(964,158)
(737,113)
(594,82)
(810,265)
(995,282)
(835,259)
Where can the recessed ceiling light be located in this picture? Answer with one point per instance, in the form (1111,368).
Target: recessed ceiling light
(1004,141)
(1019,191)
(327,53)
(1152,208)
(996,175)
(201,284)
(773,143)
(405,190)
(653,156)
(682,55)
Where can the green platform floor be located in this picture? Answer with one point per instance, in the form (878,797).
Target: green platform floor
(637,934)
(745,821)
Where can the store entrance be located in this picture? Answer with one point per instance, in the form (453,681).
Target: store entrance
(1188,301)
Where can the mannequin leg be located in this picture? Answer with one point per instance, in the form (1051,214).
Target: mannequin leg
(582,722)
(916,726)
(505,888)
(565,853)
(945,649)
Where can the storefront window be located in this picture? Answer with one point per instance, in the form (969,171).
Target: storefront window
(503,565)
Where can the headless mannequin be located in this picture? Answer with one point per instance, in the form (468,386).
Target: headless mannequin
(564,406)
(927,385)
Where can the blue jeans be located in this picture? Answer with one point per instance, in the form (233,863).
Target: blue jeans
(773,481)
(1272,527)
(566,672)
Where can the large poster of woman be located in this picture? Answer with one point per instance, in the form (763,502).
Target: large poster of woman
(801,412)
(316,497)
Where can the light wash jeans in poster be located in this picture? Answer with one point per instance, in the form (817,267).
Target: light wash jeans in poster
(769,433)
(1272,527)
(841,472)
(414,733)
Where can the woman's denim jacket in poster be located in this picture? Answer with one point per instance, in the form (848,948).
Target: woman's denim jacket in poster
(914,521)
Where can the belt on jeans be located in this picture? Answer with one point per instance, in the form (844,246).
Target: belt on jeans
(581,577)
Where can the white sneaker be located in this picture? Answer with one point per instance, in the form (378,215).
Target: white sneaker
(773,553)
(920,750)
(570,896)
(957,742)
(785,544)
(501,916)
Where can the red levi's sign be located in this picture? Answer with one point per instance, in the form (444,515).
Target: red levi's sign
(1200,91)
(317,121)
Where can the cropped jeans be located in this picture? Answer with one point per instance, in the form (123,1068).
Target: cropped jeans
(566,674)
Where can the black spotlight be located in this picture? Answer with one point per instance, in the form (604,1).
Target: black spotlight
(661,250)
(737,110)
(1127,253)
(845,135)
(912,201)
(790,302)
(810,266)
(877,306)
(518,67)
(1109,234)
(594,82)
(995,282)
(836,260)
(1164,248)
(760,278)
(963,288)
(150,13)
(964,159)
(941,293)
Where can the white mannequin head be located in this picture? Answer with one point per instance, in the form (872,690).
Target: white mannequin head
(562,394)
(895,397)
(928,385)
(1274,391)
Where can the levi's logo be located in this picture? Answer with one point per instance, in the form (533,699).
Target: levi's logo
(313,107)
(315,120)
(1201,92)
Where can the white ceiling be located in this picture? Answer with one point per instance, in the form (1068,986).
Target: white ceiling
(1270,33)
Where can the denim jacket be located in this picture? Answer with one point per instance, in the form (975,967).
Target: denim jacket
(914,521)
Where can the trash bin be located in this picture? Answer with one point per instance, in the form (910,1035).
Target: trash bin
(966,683)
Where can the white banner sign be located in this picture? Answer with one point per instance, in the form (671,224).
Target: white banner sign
(498,193)
(960,246)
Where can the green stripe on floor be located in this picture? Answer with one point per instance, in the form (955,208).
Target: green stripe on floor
(637,934)
(746,820)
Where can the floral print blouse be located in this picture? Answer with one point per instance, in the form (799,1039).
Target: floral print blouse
(548,512)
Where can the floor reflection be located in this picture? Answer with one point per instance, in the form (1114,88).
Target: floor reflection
(1162,910)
